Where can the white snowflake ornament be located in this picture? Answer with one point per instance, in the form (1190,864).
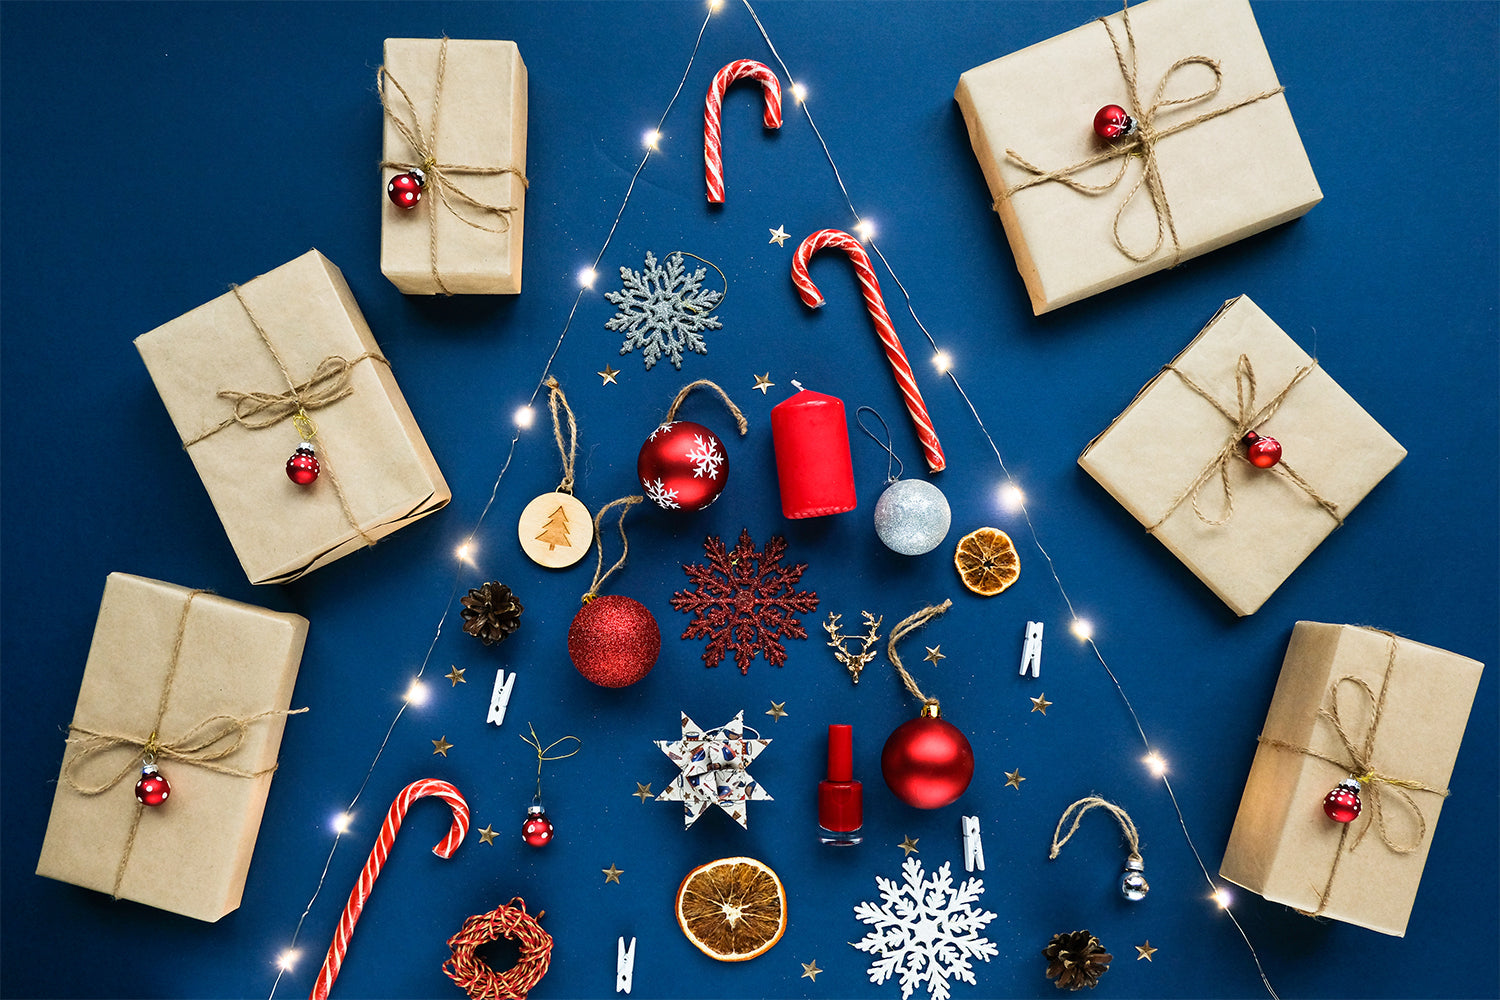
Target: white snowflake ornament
(664,310)
(925,930)
(714,767)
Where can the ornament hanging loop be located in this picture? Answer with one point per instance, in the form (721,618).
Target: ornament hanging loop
(306,429)
(895,460)
(600,574)
(1133,885)
(723,277)
(544,754)
(739,417)
(930,707)
(569,452)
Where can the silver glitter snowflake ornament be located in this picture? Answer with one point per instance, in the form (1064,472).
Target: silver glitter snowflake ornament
(664,310)
(925,930)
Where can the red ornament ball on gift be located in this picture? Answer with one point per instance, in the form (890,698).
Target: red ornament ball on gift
(683,466)
(1111,122)
(927,762)
(1263,452)
(1342,804)
(405,190)
(302,467)
(152,789)
(614,641)
(537,830)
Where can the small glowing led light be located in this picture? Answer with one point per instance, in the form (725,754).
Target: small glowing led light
(1155,764)
(651,138)
(715,4)
(1011,497)
(1222,897)
(342,822)
(465,552)
(525,416)
(287,959)
(587,277)
(942,361)
(417,693)
(1082,629)
(799,92)
(864,229)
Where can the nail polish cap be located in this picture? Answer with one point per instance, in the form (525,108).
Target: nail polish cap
(840,753)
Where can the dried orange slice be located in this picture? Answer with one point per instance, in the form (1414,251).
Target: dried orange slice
(987,561)
(732,909)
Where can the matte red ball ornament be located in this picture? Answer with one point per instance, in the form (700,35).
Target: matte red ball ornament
(927,762)
(1342,804)
(537,830)
(302,467)
(1111,122)
(683,466)
(405,190)
(152,789)
(614,641)
(1263,452)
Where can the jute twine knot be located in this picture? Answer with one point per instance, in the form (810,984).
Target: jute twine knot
(906,626)
(1358,761)
(439,176)
(1246,416)
(1140,144)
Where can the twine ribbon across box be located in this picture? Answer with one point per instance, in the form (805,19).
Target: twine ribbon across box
(1142,143)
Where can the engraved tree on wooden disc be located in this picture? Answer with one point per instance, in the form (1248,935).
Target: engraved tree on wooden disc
(555,531)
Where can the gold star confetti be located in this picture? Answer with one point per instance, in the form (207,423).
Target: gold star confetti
(612,874)
(779,236)
(810,970)
(762,382)
(777,710)
(909,845)
(441,746)
(608,375)
(934,653)
(1040,703)
(455,675)
(642,792)
(1145,951)
(1013,779)
(487,835)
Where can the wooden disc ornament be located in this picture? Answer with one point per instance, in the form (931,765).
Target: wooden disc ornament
(683,465)
(555,529)
(614,640)
(927,762)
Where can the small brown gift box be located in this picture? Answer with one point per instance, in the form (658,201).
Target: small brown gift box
(1175,460)
(212,679)
(455,109)
(1351,702)
(1217,180)
(241,354)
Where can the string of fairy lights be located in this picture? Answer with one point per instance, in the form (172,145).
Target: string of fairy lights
(1010,496)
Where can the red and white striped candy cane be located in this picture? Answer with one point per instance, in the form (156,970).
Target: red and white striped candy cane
(378,853)
(875,303)
(713,108)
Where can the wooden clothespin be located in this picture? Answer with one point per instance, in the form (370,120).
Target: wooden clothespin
(500,697)
(973,846)
(1031,652)
(624,965)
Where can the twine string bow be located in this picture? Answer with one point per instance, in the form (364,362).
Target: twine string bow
(1142,143)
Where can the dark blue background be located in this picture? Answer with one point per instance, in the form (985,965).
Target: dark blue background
(155,153)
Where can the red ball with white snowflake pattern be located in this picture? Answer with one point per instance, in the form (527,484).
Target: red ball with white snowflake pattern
(683,466)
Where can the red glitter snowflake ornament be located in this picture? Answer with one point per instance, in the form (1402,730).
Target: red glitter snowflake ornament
(745,602)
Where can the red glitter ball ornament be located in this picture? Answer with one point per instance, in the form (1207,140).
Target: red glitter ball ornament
(405,190)
(537,830)
(1263,452)
(683,466)
(152,789)
(614,641)
(1342,804)
(302,467)
(927,762)
(1111,122)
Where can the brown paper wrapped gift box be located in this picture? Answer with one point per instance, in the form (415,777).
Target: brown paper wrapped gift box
(1245,529)
(1220,179)
(378,473)
(232,672)
(463,102)
(1282,845)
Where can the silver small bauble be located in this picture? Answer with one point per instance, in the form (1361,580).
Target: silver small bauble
(1132,882)
(912,517)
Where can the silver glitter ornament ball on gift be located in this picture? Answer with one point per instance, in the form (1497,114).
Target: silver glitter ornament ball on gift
(912,517)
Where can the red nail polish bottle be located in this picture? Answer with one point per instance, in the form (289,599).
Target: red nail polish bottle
(841,799)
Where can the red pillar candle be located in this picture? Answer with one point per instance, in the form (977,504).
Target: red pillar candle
(811,437)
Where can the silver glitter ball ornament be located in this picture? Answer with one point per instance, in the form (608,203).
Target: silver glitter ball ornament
(1132,882)
(912,517)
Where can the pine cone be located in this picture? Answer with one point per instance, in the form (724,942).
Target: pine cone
(1076,960)
(491,613)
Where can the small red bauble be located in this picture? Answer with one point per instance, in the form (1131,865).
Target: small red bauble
(683,466)
(302,467)
(614,641)
(152,789)
(927,762)
(537,830)
(1342,804)
(405,190)
(1111,122)
(1263,452)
